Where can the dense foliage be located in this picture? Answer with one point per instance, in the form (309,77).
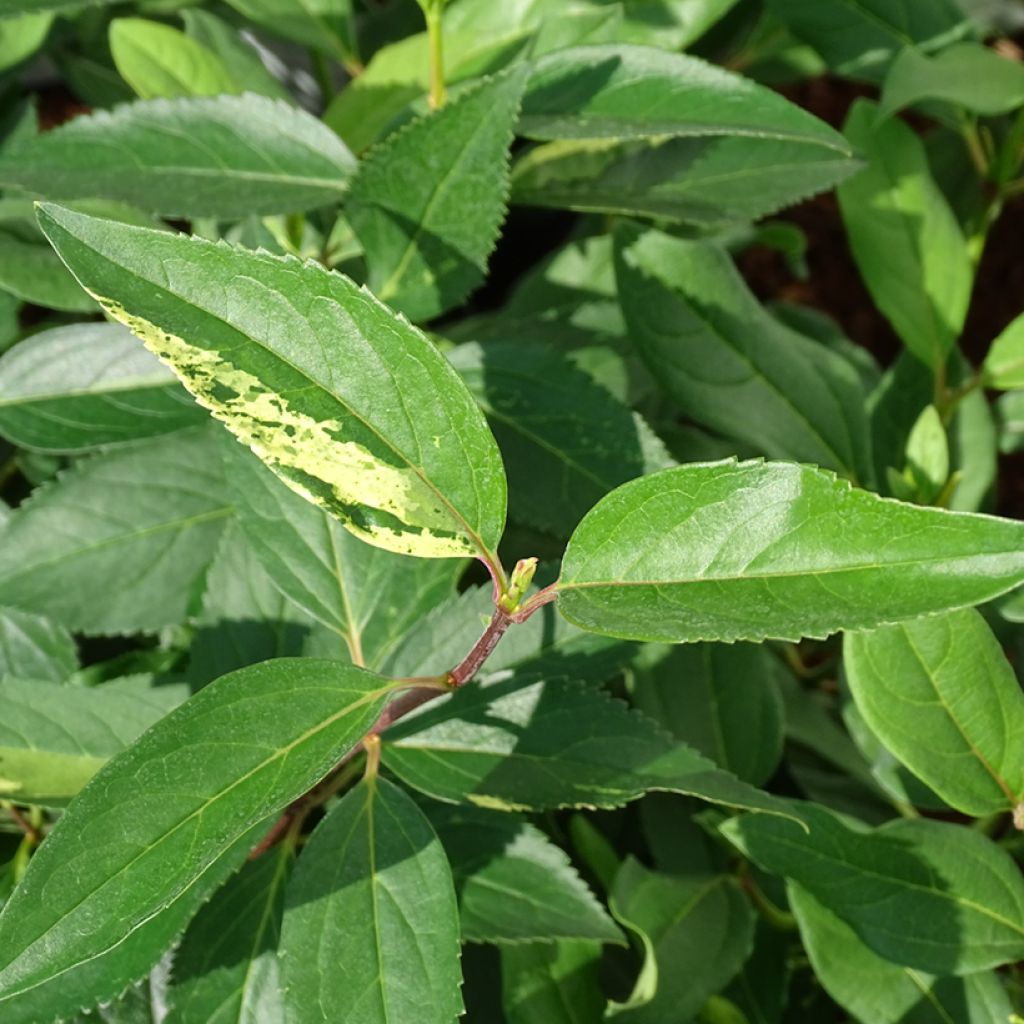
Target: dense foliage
(575,634)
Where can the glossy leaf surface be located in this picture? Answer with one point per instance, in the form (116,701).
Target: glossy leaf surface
(217,156)
(942,697)
(744,551)
(247,744)
(314,374)
(371,928)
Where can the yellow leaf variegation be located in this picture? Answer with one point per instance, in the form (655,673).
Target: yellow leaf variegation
(348,403)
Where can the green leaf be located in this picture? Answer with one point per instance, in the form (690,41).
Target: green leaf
(87,385)
(968,75)
(32,272)
(371,926)
(428,202)
(860,37)
(924,894)
(523,744)
(215,156)
(565,441)
(695,932)
(1004,365)
(21,36)
(368,597)
(749,550)
(245,618)
(638,92)
(728,363)
(323,24)
(226,967)
(942,697)
(514,884)
(241,60)
(117,542)
(54,739)
(157,60)
(906,240)
(554,982)
(721,700)
(186,800)
(351,406)
(33,647)
(14,7)
(873,989)
(706,182)
(928,454)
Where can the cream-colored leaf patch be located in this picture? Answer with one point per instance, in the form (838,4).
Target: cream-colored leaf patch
(295,445)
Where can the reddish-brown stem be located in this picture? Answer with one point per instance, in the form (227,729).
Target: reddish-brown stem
(470,664)
(26,826)
(541,598)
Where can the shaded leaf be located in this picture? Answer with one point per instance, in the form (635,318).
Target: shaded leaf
(924,894)
(749,550)
(209,156)
(87,385)
(118,541)
(428,202)
(371,927)
(554,982)
(33,647)
(311,372)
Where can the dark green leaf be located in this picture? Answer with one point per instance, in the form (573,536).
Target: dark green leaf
(117,542)
(371,926)
(428,202)
(705,182)
(520,744)
(53,740)
(906,240)
(942,697)
(553,982)
(313,373)
(744,551)
(860,37)
(924,894)
(630,92)
(695,931)
(83,386)
(514,884)
(33,647)
(226,970)
(157,60)
(211,156)
(565,441)
(873,989)
(31,271)
(729,364)
(367,596)
(323,24)
(721,700)
(183,803)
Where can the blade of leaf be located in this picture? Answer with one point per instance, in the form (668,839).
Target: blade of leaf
(216,156)
(367,596)
(83,386)
(313,373)
(371,927)
(428,201)
(524,744)
(565,441)
(162,814)
(874,989)
(554,982)
(627,92)
(924,894)
(226,968)
(905,239)
(942,697)
(117,542)
(749,550)
(52,741)
(728,363)
(33,647)
(514,884)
